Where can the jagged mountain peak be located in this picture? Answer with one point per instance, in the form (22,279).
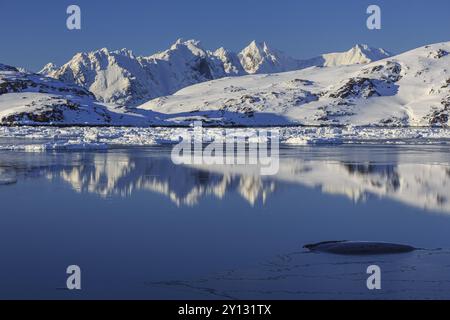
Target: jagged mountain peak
(107,52)
(181,49)
(256,45)
(362,47)
(125,52)
(230,62)
(48,68)
(181,41)
(371,52)
(258,57)
(221,51)
(192,45)
(359,54)
(260,48)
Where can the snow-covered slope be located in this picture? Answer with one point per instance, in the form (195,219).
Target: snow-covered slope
(27,98)
(120,77)
(409,89)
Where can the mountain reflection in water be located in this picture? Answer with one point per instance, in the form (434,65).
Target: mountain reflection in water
(417,176)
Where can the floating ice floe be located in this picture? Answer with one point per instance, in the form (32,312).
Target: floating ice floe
(312,141)
(61,145)
(97,137)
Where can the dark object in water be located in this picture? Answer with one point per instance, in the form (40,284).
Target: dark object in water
(359,247)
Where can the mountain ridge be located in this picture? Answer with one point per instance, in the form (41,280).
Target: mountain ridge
(120,77)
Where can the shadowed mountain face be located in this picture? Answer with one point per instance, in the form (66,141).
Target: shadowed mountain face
(402,177)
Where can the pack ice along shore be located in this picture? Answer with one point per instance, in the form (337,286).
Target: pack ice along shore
(259,86)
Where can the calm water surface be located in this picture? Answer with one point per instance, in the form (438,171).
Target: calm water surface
(141,227)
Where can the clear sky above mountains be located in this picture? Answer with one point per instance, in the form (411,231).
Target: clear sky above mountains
(34,32)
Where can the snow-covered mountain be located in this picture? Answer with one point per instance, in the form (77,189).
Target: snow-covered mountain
(231,62)
(28,98)
(260,58)
(359,54)
(411,89)
(120,77)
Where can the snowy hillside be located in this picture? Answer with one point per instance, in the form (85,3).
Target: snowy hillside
(27,98)
(120,77)
(411,89)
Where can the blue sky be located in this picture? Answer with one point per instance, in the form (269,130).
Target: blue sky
(34,32)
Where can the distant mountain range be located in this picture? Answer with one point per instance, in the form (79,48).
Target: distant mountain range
(120,77)
(410,89)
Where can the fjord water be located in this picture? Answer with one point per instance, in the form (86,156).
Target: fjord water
(140,226)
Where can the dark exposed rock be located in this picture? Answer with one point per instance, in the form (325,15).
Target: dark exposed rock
(46,114)
(54,115)
(4,67)
(356,87)
(440,117)
(18,84)
(15,86)
(438,54)
(301,82)
(389,71)
(379,80)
